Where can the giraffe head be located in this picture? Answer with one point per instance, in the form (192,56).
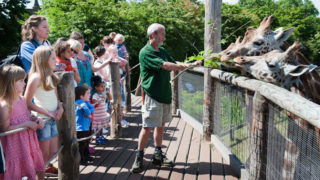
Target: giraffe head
(257,42)
(275,67)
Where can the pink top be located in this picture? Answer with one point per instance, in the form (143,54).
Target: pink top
(23,156)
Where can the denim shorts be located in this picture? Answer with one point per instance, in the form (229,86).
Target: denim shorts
(49,131)
(154,113)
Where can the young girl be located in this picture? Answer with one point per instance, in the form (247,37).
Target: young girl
(42,88)
(102,56)
(113,52)
(100,115)
(23,156)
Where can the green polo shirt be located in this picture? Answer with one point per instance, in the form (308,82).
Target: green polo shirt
(155,81)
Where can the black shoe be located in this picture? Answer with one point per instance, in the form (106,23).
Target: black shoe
(90,159)
(160,159)
(84,162)
(137,166)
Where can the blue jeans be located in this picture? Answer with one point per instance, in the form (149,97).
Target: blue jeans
(49,131)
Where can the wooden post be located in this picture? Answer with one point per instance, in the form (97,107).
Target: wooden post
(127,89)
(212,36)
(175,92)
(115,129)
(138,88)
(69,157)
(259,138)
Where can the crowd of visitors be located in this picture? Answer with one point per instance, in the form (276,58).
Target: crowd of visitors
(38,107)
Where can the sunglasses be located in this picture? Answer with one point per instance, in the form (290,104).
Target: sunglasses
(76,52)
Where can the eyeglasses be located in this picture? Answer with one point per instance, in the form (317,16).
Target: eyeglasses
(76,52)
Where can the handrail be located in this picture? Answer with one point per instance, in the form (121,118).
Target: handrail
(16,130)
(290,101)
(55,155)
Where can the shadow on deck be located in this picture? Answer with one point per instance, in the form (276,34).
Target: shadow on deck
(194,158)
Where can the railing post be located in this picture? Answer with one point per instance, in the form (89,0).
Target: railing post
(208,102)
(127,89)
(259,137)
(175,92)
(69,157)
(138,88)
(212,37)
(115,129)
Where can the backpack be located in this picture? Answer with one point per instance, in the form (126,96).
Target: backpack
(15,59)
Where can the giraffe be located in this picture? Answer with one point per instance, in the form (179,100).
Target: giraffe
(284,68)
(258,41)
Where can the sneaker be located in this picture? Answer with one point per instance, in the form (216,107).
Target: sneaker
(99,141)
(91,150)
(137,166)
(84,162)
(124,123)
(90,159)
(105,131)
(102,138)
(160,159)
(51,170)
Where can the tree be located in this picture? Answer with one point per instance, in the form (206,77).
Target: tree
(97,18)
(12,13)
(300,14)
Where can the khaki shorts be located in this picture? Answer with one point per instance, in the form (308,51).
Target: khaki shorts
(155,113)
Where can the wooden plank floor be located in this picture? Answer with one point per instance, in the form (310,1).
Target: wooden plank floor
(194,158)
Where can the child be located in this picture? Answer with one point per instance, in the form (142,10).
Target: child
(64,54)
(122,50)
(23,156)
(83,119)
(113,52)
(42,89)
(100,115)
(102,56)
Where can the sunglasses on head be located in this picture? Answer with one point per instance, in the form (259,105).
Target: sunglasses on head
(74,51)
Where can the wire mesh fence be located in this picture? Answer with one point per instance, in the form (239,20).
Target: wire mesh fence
(230,120)
(293,147)
(191,94)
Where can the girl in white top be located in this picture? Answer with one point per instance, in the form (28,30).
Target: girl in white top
(101,57)
(42,87)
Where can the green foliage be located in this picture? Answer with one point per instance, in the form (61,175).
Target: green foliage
(235,21)
(193,104)
(11,14)
(97,18)
(300,14)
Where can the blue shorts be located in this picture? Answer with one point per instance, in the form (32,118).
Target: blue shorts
(49,131)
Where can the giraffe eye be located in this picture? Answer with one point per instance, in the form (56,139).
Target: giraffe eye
(258,43)
(271,65)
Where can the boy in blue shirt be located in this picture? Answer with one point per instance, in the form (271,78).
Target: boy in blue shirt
(84,111)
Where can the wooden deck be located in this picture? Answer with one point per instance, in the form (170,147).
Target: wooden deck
(194,158)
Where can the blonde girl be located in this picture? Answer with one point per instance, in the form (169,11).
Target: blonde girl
(42,89)
(23,156)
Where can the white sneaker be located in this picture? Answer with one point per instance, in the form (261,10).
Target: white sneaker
(124,123)
(105,131)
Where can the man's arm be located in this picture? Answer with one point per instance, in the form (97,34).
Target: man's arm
(169,66)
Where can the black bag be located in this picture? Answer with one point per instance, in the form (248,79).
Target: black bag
(15,59)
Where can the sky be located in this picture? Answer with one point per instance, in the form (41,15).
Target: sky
(315,2)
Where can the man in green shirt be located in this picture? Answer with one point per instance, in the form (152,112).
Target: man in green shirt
(155,67)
